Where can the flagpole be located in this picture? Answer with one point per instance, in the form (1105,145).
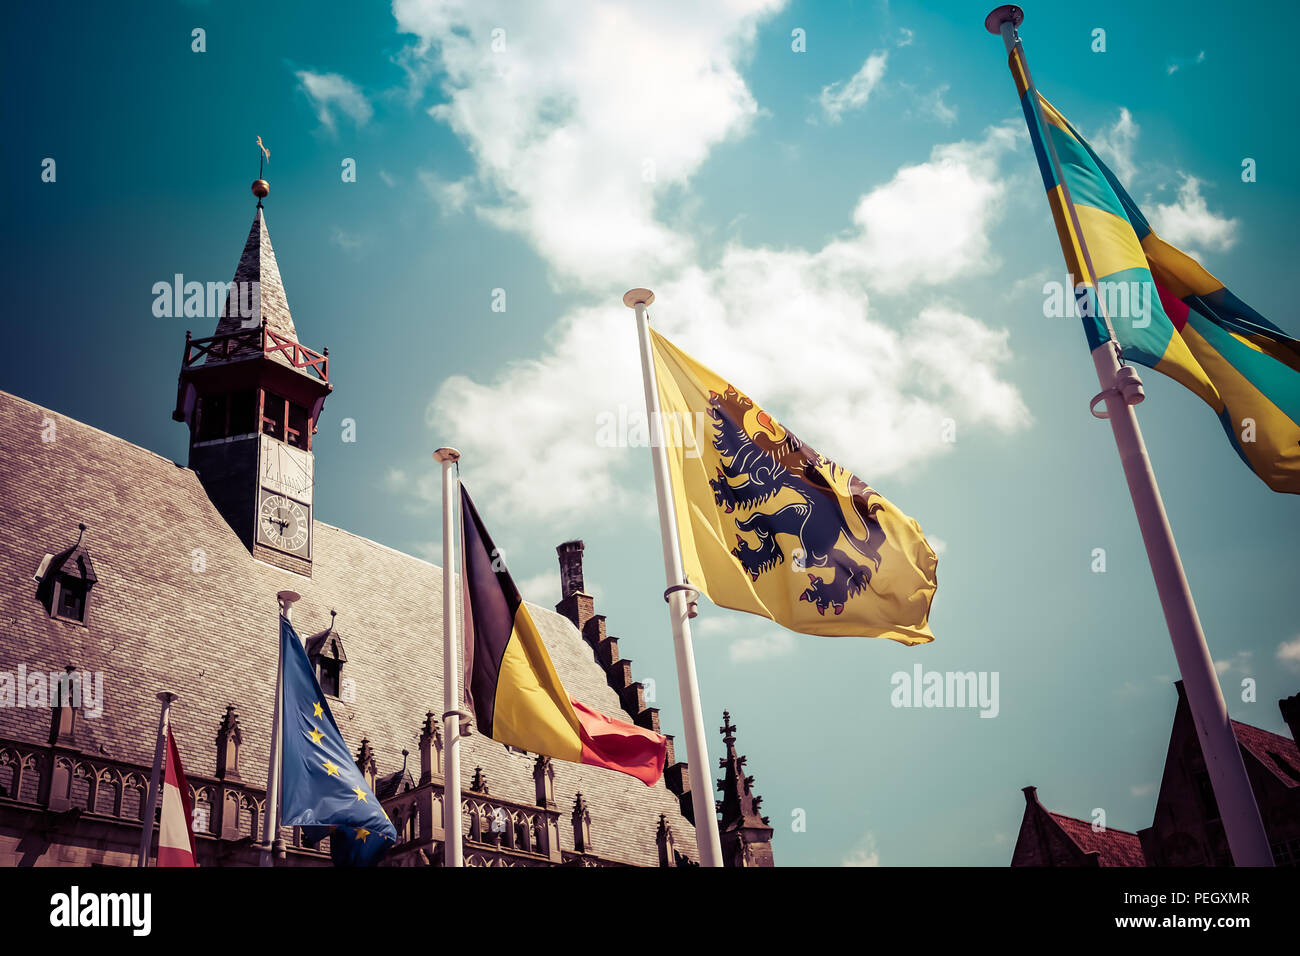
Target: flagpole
(453,854)
(151,803)
(271,812)
(1122,389)
(679,610)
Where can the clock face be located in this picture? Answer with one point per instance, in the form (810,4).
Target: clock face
(284,523)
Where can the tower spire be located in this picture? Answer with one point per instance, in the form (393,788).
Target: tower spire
(258,292)
(746,835)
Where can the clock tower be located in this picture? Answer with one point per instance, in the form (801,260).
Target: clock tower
(252,397)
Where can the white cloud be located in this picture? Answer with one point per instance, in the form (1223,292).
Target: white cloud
(347,241)
(1239,662)
(933,104)
(1142,789)
(451,196)
(1115,146)
(905,37)
(577,138)
(840,97)
(1288,654)
(330,92)
(543,588)
(1189,220)
(548,123)
(930,223)
(864,854)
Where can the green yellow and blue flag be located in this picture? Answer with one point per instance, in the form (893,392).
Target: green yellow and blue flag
(321,786)
(1167,312)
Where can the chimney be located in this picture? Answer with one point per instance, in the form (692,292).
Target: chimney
(570,568)
(1290,707)
(575,603)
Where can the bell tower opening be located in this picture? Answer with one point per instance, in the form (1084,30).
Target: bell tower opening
(252,396)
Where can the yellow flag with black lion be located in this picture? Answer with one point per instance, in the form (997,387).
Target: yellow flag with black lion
(770,526)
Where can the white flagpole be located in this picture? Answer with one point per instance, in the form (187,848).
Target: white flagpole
(151,803)
(453,854)
(271,812)
(1121,390)
(679,610)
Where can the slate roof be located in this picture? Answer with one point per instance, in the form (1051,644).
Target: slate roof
(257,264)
(181,605)
(1113,847)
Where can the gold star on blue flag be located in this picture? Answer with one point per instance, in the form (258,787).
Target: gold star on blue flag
(320,784)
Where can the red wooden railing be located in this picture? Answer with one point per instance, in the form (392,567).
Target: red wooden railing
(258,339)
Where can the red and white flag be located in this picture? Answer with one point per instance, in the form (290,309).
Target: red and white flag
(175,836)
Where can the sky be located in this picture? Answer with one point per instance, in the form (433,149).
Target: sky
(836,206)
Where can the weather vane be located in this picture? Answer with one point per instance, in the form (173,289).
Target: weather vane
(261,188)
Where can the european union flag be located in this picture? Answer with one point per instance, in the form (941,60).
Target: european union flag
(320,784)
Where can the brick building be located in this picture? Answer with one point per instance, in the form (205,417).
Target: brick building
(170,586)
(1186,829)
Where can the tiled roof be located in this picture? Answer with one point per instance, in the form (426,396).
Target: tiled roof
(181,605)
(1113,847)
(1267,747)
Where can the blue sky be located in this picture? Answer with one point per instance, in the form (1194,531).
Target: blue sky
(854,233)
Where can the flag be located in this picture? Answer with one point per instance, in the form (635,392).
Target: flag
(320,784)
(512,687)
(175,828)
(771,527)
(1168,313)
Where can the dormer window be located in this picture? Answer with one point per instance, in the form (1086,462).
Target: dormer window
(70,599)
(325,651)
(66,580)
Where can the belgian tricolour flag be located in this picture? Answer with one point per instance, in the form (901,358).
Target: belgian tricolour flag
(512,686)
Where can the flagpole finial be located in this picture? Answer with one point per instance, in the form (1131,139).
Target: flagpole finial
(634,297)
(287,600)
(1007,12)
(445,455)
